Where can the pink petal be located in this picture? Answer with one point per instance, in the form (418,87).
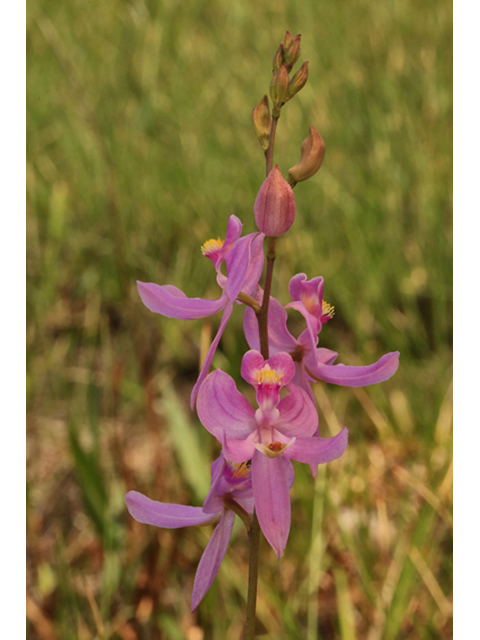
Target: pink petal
(348,376)
(213,503)
(238,263)
(161,514)
(252,362)
(313,325)
(222,409)
(272,500)
(171,302)
(300,288)
(316,450)
(238,451)
(211,352)
(212,558)
(298,415)
(279,337)
(250,329)
(326,356)
(234,229)
(255,266)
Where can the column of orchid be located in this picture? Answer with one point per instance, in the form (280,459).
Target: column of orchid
(253,474)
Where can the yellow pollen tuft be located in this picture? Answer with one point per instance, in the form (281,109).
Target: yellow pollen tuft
(211,246)
(242,470)
(328,311)
(268,376)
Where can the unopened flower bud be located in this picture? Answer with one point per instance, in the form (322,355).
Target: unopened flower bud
(287,41)
(299,80)
(293,53)
(312,154)
(262,121)
(280,86)
(278,59)
(275,205)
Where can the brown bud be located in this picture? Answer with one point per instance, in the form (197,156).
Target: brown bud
(299,80)
(280,86)
(278,59)
(312,154)
(287,41)
(293,53)
(262,121)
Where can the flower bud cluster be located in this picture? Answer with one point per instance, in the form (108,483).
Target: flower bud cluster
(282,89)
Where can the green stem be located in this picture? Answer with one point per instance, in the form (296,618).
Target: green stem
(249,301)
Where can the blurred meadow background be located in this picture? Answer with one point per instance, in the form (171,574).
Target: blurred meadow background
(139,147)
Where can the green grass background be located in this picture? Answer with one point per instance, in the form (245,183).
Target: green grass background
(139,146)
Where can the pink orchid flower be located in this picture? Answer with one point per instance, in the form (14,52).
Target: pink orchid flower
(243,258)
(230,482)
(279,430)
(313,363)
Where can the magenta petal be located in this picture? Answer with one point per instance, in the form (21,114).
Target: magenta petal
(279,337)
(212,558)
(222,409)
(313,325)
(234,229)
(238,451)
(211,352)
(301,288)
(315,451)
(272,500)
(171,302)
(255,266)
(298,415)
(213,503)
(250,328)
(238,262)
(348,376)
(252,362)
(161,514)
(326,356)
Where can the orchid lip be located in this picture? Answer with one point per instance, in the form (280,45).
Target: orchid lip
(274,449)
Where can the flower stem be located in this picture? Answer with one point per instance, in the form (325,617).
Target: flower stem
(254,543)
(262,317)
(269,150)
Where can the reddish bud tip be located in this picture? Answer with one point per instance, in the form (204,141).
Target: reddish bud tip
(275,205)
(293,53)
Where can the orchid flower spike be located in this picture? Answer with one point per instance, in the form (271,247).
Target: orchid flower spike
(231,487)
(243,257)
(279,430)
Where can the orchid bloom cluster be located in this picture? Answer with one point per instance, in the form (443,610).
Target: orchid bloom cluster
(254,471)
